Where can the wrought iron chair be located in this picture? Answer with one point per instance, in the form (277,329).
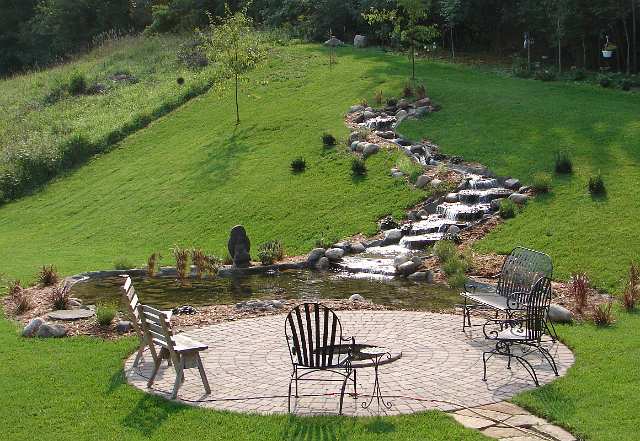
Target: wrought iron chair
(315,340)
(520,270)
(524,332)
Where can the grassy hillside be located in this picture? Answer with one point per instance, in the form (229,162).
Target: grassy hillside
(516,127)
(45,128)
(191,176)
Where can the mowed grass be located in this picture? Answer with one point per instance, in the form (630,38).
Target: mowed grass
(73,389)
(515,127)
(190,177)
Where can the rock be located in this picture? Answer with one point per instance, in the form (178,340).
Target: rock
(388,223)
(359,41)
(357,248)
(399,260)
(495,203)
(314,256)
(559,314)
(451,198)
(184,310)
(423,214)
(370,149)
(421,276)
(525,189)
(463,185)
(431,207)
(48,330)
(342,245)
(354,145)
(392,236)
(453,229)
(413,215)
(123,326)
(421,111)
(356,298)
(334,254)
(386,134)
(239,247)
(407,268)
(519,199)
(322,264)
(401,114)
(359,118)
(356,108)
(73,303)
(32,327)
(422,181)
(368,114)
(424,102)
(70,314)
(512,184)
(417,149)
(435,183)
(436,108)
(397,174)
(403,104)
(361,145)
(354,136)
(333,42)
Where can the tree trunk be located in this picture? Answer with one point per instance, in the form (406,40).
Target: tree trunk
(584,53)
(528,51)
(626,35)
(635,37)
(453,49)
(559,47)
(237,107)
(413,61)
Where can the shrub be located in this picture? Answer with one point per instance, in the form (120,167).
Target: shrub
(378,98)
(298,165)
(22,302)
(392,102)
(358,167)
(632,289)
(596,185)
(457,280)
(578,74)
(192,55)
(211,264)
(507,209)
(580,289)
(421,92)
(626,85)
(270,252)
(13,287)
(77,83)
(60,297)
(541,182)
(182,261)
(105,314)
(199,261)
(123,263)
(48,275)
(152,264)
(602,315)
(563,163)
(546,74)
(407,90)
(445,250)
(605,81)
(453,265)
(328,140)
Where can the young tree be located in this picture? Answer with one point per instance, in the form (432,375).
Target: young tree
(453,13)
(233,43)
(559,12)
(410,29)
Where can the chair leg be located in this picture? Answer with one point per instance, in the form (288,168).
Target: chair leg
(179,377)
(527,366)
(203,374)
(344,386)
(547,355)
(289,403)
(484,363)
(355,383)
(156,367)
(552,331)
(139,355)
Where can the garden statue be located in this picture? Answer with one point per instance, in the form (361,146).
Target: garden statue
(239,247)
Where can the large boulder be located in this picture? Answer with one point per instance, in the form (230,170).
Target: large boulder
(519,199)
(322,264)
(356,108)
(32,327)
(334,254)
(422,181)
(424,102)
(360,41)
(392,236)
(357,248)
(388,223)
(512,184)
(356,298)
(559,314)
(124,326)
(407,268)
(370,149)
(49,330)
(239,247)
(314,256)
(421,276)
(400,259)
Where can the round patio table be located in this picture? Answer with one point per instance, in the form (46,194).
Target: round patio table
(376,354)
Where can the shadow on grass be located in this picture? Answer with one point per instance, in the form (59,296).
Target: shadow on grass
(116,380)
(314,429)
(378,425)
(149,414)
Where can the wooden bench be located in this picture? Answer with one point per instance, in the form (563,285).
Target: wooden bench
(183,352)
(520,271)
(132,301)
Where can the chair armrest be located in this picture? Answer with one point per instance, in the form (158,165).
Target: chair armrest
(502,323)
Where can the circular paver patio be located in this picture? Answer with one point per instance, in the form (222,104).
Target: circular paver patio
(248,367)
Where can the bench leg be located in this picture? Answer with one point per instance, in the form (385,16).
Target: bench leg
(203,374)
(179,377)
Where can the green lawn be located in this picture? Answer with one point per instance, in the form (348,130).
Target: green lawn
(515,127)
(192,175)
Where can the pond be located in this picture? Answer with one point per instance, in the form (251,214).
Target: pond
(167,293)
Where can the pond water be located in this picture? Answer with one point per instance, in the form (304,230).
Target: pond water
(166,292)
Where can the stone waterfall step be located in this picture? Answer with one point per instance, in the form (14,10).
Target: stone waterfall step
(462,212)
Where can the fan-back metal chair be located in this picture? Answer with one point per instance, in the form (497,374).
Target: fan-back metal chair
(525,331)
(315,340)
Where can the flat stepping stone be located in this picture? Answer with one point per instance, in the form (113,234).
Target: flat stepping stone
(71,314)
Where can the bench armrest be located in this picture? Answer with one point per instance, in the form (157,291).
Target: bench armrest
(492,334)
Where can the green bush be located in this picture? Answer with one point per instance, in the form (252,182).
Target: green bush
(445,250)
(605,81)
(457,280)
(626,85)
(105,314)
(358,167)
(541,182)
(546,74)
(508,209)
(563,165)
(123,263)
(578,74)
(328,140)
(298,165)
(596,185)
(77,83)
(270,252)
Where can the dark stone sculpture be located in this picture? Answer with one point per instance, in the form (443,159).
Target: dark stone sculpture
(239,247)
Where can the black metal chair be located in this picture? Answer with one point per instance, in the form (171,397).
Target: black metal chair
(525,331)
(315,340)
(520,270)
